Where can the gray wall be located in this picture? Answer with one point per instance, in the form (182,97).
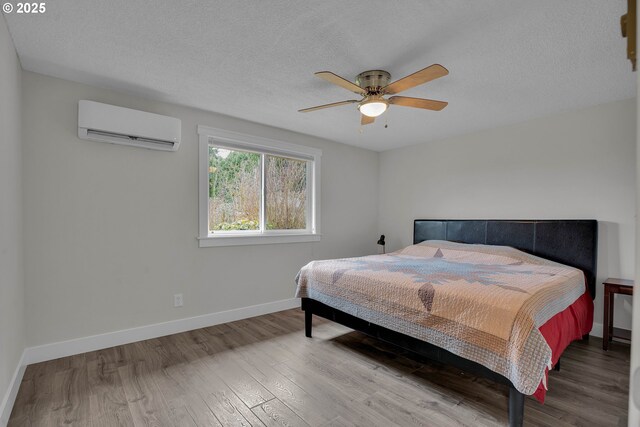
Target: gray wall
(579,164)
(111,230)
(12,319)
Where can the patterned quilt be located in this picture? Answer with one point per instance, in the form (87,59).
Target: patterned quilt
(484,303)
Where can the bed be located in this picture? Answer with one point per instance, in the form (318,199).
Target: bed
(497,298)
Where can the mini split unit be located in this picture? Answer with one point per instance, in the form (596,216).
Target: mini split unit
(124,126)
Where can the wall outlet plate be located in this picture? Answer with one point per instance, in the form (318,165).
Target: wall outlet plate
(177,300)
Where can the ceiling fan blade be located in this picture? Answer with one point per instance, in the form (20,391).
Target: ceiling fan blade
(334,104)
(366,120)
(425,75)
(427,104)
(337,80)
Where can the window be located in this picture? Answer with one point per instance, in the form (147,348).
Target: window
(255,190)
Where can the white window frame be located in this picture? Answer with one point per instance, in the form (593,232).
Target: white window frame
(264,146)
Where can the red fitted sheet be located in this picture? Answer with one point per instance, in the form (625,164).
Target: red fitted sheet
(568,325)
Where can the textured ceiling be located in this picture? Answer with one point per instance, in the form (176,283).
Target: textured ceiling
(509,60)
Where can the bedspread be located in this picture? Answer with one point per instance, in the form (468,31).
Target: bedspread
(483,303)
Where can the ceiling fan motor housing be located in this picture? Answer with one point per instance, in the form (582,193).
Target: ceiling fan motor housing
(373,81)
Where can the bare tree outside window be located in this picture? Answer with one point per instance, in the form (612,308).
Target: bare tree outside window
(286,193)
(235,191)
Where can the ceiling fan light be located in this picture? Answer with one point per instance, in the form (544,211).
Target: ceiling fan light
(373,108)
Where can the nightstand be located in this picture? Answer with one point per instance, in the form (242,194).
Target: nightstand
(612,287)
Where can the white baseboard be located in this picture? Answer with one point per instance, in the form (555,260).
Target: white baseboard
(56,350)
(10,396)
(596,331)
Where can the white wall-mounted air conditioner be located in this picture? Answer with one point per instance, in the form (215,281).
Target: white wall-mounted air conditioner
(118,125)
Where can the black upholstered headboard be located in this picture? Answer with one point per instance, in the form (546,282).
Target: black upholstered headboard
(569,242)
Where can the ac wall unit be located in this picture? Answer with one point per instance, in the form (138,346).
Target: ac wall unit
(124,126)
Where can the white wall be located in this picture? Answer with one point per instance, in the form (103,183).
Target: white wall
(579,164)
(12,321)
(634,383)
(111,230)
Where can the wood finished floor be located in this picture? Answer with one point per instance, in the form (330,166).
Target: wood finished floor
(263,371)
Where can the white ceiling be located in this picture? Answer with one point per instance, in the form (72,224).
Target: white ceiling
(509,60)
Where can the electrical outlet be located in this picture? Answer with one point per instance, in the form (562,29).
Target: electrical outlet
(177,300)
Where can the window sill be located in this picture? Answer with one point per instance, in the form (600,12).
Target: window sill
(206,242)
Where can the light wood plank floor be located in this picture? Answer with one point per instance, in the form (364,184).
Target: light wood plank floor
(263,371)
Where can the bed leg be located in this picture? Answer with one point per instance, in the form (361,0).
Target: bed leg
(307,322)
(516,407)
(557,367)
(585,337)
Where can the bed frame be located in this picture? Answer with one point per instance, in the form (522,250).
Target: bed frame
(570,242)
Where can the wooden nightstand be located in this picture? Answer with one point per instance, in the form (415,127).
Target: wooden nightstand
(611,287)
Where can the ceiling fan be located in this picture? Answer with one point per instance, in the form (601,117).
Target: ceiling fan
(374,84)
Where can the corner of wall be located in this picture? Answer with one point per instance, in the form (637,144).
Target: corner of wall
(12,267)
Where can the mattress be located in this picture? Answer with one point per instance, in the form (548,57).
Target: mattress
(484,303)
